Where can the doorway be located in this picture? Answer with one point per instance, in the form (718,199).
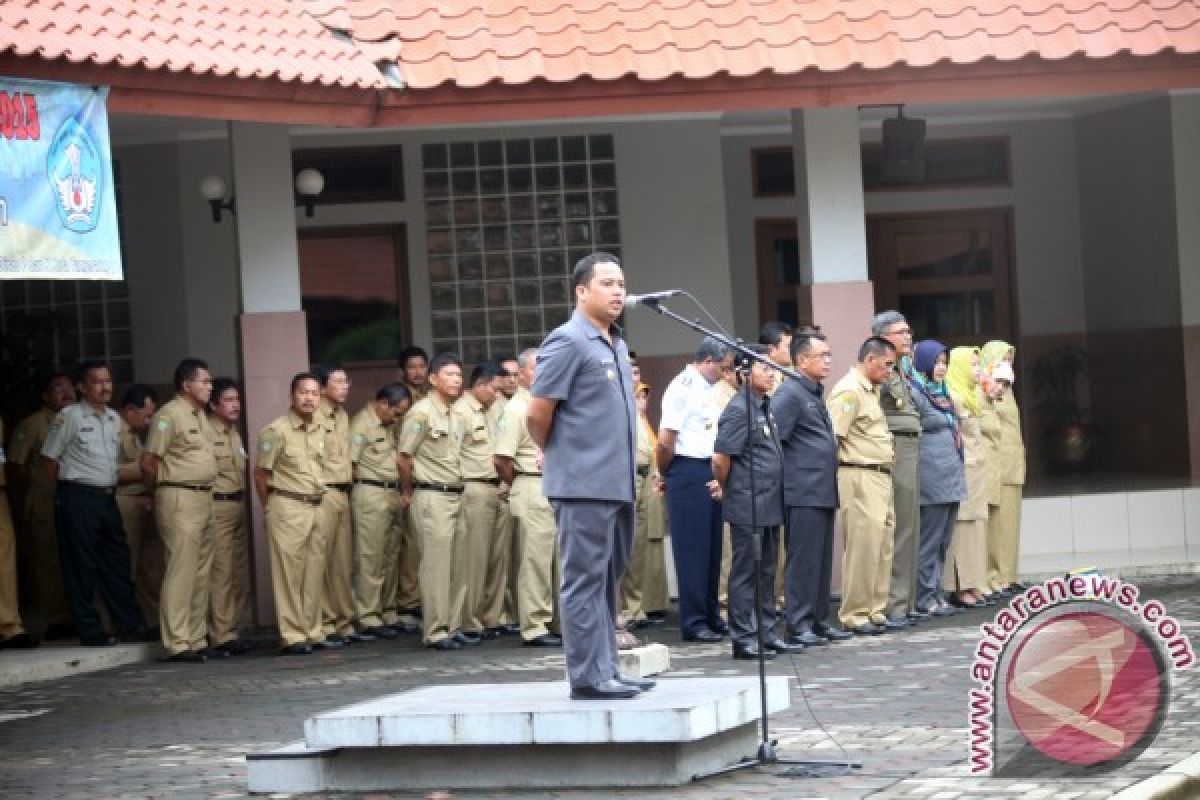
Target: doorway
(777,255)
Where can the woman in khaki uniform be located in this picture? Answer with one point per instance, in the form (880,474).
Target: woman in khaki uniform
(965,574)
(1004,522)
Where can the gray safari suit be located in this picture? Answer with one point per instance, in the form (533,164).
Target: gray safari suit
(588,476)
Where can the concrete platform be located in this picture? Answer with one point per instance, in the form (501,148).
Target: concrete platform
(642,662)
(53,661)
(501,736)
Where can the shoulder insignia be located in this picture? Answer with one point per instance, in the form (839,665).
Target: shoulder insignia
(265,446)
(360,439)
(413,424)
(163,424)
(847,406)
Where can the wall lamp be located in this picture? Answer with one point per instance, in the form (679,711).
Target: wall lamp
(308,184)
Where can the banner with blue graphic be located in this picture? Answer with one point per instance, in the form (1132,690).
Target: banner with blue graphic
(58,212)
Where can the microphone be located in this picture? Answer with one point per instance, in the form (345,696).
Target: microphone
(651,297)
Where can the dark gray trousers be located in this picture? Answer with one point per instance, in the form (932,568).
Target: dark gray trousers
(743,625)
(937,526)
(595,539)
(809,567)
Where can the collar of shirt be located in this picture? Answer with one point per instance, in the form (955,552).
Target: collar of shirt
(296,421)
(811,385)
(863,383)
(86,409)
(219,425)
(591,331)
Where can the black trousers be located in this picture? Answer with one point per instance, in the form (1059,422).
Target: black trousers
(743,623)
(695,543)
(95,555)
(809,567)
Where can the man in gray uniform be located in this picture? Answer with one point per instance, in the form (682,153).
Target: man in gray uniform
(904,422)
(583,379)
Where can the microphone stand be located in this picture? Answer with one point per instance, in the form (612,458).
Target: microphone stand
(767,747)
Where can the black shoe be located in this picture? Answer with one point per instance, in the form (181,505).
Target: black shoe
(214,654)
(987,601)
(637,624)
(487,634)
(545,640)
(749,652)
(59,631)
(449,643)
(831,633)
(405,627)
(641,684)
(362,636)
(917,614)
(895,623)
(869,629)
(808,639)
(103,640)
(609,690)
(510,629)
(328,643)
(703,635)
(19,641)
(382,632)
(720,627)
(337,637)
(235,647)
(781,646)
(467,638)
(299,649)
(187,657)
(656,617)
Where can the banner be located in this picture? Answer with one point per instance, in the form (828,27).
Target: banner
(58,213)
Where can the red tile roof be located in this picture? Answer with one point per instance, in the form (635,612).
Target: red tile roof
(470,43)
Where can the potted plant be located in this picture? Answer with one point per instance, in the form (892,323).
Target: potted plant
(1066,426)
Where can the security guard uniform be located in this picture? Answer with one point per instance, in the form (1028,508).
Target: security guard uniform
(337,606)
(293,451)
(181,437)
(10,616)
(229,578)
(537,567)
(137,517)
(431,434)
(499,603)
(865,459)
(38,513)
(377,515)
(480,511)
(904,421)
(1004,521)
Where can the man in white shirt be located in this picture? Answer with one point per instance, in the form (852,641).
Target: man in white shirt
(690,409)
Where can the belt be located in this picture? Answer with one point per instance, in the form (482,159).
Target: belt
(311,499)
(643,471)
(341,487)
(439,487)
(907,434)
(530,474)
(884,468)
(87,487)
(193,487)
(488,481)
(229,497)
(380,484)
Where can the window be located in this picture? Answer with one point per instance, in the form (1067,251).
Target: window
(50,324)
(949,164)
(506,220)
(355,175)
(774,173)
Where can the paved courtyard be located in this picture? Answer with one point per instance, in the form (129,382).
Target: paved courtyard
(897,703)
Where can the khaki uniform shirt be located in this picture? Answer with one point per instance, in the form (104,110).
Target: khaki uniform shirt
(895,397)
(512,435)
(84,442)
(294,453)
(646,440)
(130,452)
(859,422)
(1012,445)
(26,445)
(989,428)
(478,447)
(231,457)
(496,409)
(336,423)
(433,436)
(725,392)
(373,447)
(417,392)
(181,437)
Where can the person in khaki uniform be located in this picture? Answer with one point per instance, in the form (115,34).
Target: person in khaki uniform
(12,630)
(37,511)
(180,463)
(865,458)
(402,596)
(519,464)
(481,500)
(966,559)
(288,482)
(1004,523)
(431,476)
(337,604)
(633,589)
(499,605)
(377,508)
(229,578)
(134,500)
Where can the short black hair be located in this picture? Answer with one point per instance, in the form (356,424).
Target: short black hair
(802,342)
(585,268)
(875,346)
(87,365)
(302,376)
(137,395)
(394,393)
(325,371)
(412,351)
(772,333)
(502,357)
(633,355)
(186,370)
(220,386)
(486,372)
(743,361)
(46,379)
(442,360)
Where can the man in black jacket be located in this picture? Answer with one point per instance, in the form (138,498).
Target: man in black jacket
(809,491)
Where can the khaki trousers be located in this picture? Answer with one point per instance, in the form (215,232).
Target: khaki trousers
(48,589)
(1004,538)
(337,601)
(147,561)
(184,518)
(497,595)
(376,532)
(229,579)
(866,513)
(297,569)
(476,539)
(537,570)
(966,558)
(10,614)
(906,487)
(435,515)
(407,596)
(726,565)
(633,581)
(654,568)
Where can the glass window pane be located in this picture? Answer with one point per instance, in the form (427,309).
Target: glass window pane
(462,154)
(474,324)
(445,326)
(491,153)
(436,184)
(528,293)
(437,212)
(491,181)
(466,211)
(470,295)
(441,269)
(494,210)
(433,156)
(577,205)
(470,268)
(553,263)
(575,176)
(604,203)
(524,264)
(501,322)
(518,151)
(604,176)
(601,147)
(554,290)
(499,295)
(548,178)
(497,265)
(574,148)
(444,298)
(545,151)
(464,182)
(520,179)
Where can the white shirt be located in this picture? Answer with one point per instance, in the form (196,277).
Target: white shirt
(689,407)
(85,444)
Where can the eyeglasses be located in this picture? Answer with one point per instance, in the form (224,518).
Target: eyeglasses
(822,356)
(899,332)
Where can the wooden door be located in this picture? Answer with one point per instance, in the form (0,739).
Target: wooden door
(950,273)
(778,262)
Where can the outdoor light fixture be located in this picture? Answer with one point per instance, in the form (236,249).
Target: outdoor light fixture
(213,189)
(309,183)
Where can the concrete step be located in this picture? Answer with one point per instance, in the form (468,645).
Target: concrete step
(642,662)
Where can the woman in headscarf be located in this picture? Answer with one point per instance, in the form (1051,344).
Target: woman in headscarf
(1004,519)
(941,473)
(965,574)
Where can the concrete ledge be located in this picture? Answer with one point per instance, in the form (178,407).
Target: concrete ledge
(644,661)
(50,662)
(1179,782)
